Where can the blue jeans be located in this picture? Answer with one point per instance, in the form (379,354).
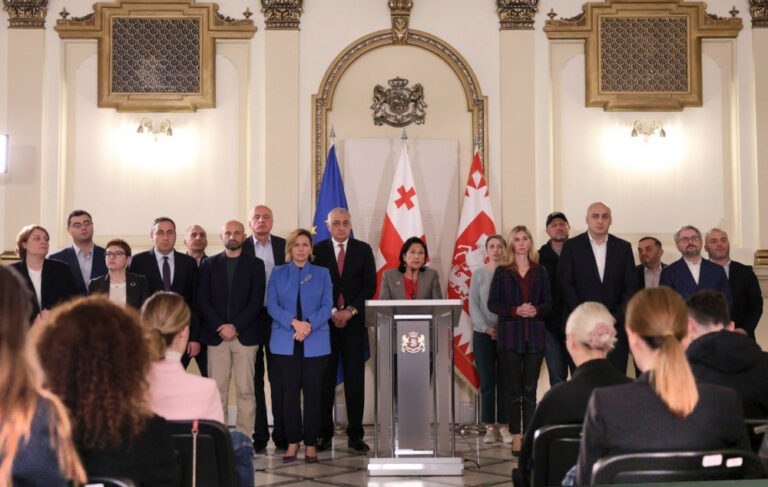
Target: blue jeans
(243,449)
(558,359)
(493,387)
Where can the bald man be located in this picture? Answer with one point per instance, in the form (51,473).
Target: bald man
(598,266)
(230,299)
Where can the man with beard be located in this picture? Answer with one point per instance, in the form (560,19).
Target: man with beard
(230,299)
(555,353)
(692,273)
(196,240)
(649,271)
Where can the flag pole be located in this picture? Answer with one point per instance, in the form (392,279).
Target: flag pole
(332,136)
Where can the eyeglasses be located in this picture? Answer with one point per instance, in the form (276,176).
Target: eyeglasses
(115,254)
(86,224)
(694,238)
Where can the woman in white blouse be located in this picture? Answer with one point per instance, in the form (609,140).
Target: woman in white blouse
(123,287)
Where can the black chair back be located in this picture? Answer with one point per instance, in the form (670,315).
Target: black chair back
(109,482)
(690,466)
(215,459)
(555,451)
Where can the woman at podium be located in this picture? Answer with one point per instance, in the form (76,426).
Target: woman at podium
(520,295)
(411,280)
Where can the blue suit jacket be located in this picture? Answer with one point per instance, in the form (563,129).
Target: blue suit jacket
(712,276)
(316,304)
(68,256)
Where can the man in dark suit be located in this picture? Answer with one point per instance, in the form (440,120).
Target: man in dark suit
(745,288)
(649,271)
(271,250)
(353,273)
(597,266)
(691,272)
(85,259)
(196,241)
(169,270)
(230,299)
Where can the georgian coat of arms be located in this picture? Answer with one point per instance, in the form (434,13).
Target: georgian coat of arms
(413,342)
(398,105)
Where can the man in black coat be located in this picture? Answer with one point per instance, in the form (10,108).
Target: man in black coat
(649,271)
(231,298)
(597,266)
(86,259)
(745,288)
(353,273)
(271,250)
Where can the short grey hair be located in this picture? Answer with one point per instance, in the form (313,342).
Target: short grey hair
(706,237)
(686,227)
(341,210)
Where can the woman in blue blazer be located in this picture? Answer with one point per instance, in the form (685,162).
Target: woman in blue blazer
(299,300)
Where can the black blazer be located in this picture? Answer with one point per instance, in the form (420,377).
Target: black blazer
(580,281)
(632,419)
(57,284)
(246,301)
(554,320)
(136,290)
(711,276)
(184,281)
(747,297)
(68,256)
(358,281)
(641,275)
(278,248)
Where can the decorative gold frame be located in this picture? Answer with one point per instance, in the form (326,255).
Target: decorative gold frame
(587,26)
(212,26)
(322,102)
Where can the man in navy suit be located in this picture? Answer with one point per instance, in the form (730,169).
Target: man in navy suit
(745,288)
(86,259)
(692,273)
(649,271)
(271,250)
(169,270)
(230,299)
(597,266)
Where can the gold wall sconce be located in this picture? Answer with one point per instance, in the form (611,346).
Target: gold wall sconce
(145,127)
(654,128)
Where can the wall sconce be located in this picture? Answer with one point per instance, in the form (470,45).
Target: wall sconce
(145,127)
(3,153)
(654,128)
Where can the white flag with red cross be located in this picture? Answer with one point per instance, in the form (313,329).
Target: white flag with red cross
(403,218)
(475,226)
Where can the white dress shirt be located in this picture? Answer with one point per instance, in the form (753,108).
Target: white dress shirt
(695,270)
(117,293)
(600,251)
(171,262)
(37,282)
(651,277)
(336,248)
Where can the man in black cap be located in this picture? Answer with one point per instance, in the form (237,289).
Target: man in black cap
(555,353)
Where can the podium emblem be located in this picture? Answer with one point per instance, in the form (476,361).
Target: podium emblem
(413,343)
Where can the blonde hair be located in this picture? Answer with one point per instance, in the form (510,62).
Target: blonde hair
(21,386)
(660,317)
(164,314)
(291,239)
(592,325)
(533,254)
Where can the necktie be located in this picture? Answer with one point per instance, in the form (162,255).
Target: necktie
(166,274)
(340,262)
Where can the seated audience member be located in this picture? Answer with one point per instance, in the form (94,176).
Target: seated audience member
(96,359)
(173,393)
(49,281)
(122,287)
(721,356)
(36,448)
(664,409)
(590,335)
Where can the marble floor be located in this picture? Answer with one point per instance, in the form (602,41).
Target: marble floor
(484,465)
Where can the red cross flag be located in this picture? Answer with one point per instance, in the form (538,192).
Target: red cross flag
(475,226)
(403,218)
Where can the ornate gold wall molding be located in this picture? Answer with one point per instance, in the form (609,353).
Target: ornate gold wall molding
(758,9)
(517,14)
(401,13)
(26,14)
(282,14)
(322,102)
(643,55)
(156,57)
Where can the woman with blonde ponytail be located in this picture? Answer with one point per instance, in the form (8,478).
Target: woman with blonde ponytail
(664,409)
(36,447)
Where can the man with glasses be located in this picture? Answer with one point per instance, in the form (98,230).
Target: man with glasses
(692,273)
(85,258)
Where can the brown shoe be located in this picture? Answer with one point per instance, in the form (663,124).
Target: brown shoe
(517,444)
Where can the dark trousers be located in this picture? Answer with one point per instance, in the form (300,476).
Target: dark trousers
(619,356)
(347,345)
(299,374)
(558,359)
(201,359)
(494,397)
(521,370)
(261,428)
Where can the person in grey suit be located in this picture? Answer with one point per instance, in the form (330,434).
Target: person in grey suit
(84,258)
(411,280)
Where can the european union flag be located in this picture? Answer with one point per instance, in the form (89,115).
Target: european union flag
(331,196)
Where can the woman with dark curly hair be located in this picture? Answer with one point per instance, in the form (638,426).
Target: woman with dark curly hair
(36,447)
(96,358)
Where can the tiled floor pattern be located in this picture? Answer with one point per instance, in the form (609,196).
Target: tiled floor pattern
(484,465)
